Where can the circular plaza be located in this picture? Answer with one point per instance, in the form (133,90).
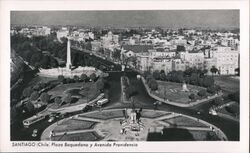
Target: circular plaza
(132,125)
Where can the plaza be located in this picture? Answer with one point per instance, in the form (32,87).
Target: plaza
(107,125)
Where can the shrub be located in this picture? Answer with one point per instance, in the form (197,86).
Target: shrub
(34,95)
(202,93)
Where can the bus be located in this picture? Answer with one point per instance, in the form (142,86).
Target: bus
(32,120)
(102,101)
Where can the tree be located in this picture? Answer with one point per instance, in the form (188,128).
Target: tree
(191,96)
(149,78)
(58,100)
(217,101)
(163,76)
(194,79)
(92,76)
(68,98)
(153,85)
(89,46)
(237,70)
(61,78)
(156,75)
(180,48)
(29,107)
(130,91)
(34,95)
(211,89)
(117,54)
(45,62)
(45,97)
(53,62)
(27,92)
(214,70)
(234,96)
(76,78)
(208,81)
(202,93)
(100,84)
(84,77)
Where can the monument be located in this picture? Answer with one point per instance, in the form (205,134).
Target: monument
(132,122)
(68,71)
(184,87)
(68,63)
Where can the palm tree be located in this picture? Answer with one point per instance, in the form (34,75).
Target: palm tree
(214,70)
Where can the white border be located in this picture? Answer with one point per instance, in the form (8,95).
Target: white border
(223,147)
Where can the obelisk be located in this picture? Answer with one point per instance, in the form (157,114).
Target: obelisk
(68,64)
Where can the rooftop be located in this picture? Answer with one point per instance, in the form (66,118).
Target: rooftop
(137,48)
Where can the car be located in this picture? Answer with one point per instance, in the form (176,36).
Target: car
(34,133)
(51,119)
(87,108)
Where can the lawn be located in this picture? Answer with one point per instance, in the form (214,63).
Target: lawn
(60,89)
(227,83)
(87,93)
(87,136)
(204,135)
(152,114)
(173,91)
(184,121)
(232,110)
(104,115)
(73,124)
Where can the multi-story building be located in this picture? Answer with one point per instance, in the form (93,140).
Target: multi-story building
(62,33)
(193,59)
(226,61)
(143,62)
(178,64)
(161,63)
(161,52)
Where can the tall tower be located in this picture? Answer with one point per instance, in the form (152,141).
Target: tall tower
(68,64)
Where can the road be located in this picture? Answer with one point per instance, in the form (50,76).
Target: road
(141,100)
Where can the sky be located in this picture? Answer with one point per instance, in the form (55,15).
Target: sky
(145,18)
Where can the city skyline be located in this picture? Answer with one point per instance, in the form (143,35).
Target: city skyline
(211,19)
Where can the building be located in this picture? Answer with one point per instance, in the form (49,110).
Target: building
(193,59)
(143,62)
(161,63)
(178,64)
(161,52)
(62,33)
(226,61)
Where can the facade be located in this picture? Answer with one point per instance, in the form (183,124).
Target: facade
(143,62)
(158,52)
(62,33)
(162,63)
(193,59)
(226,62)
(178,64)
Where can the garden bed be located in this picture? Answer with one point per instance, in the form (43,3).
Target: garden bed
(73,124)
(184,121)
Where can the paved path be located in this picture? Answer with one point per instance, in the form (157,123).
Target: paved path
(167,116)
(87,119)
(73,132)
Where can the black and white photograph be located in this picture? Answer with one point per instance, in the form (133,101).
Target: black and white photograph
(124,76)
(134,75)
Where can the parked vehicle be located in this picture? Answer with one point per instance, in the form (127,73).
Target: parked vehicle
(32,120)
(51,119)
(34,134)
(102,102)
(87,108)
